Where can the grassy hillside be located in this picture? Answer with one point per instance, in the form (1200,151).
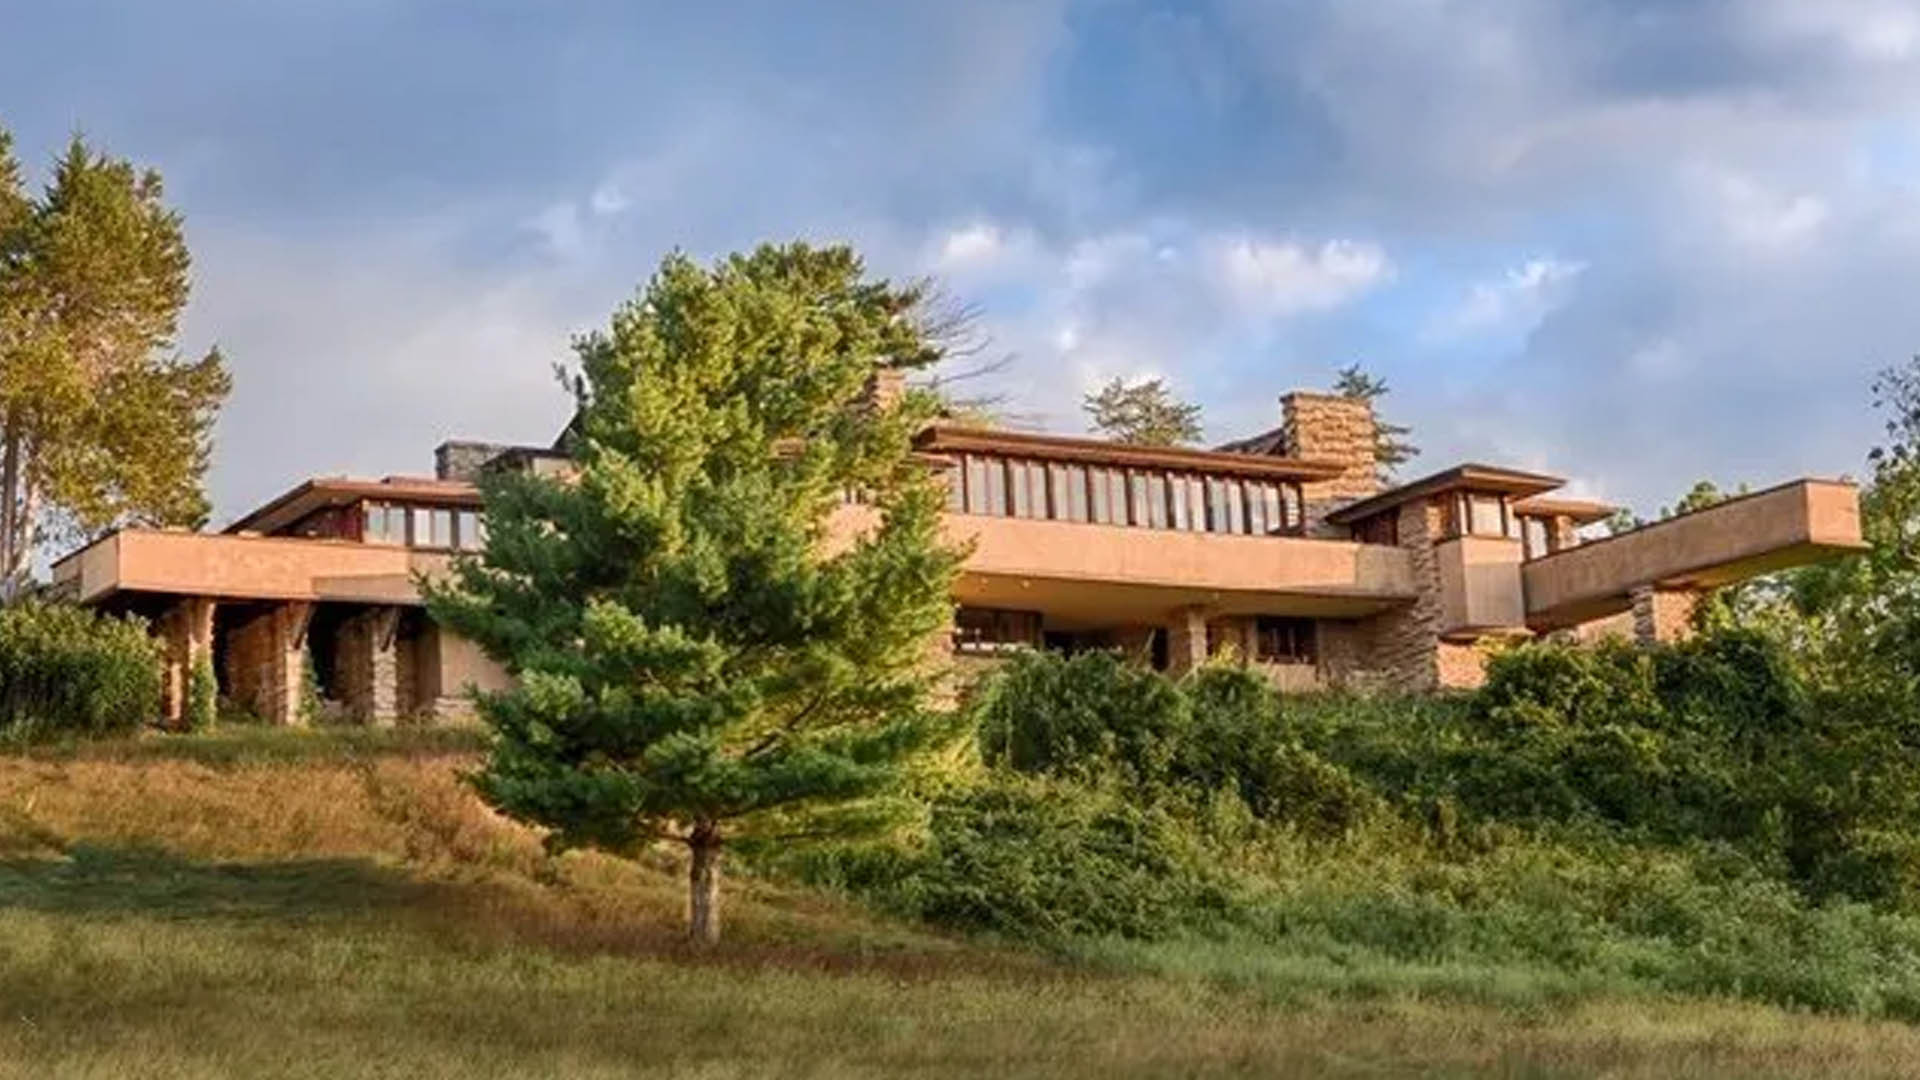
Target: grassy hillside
(282,903)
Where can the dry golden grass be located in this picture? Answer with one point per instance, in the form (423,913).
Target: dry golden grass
(288,905)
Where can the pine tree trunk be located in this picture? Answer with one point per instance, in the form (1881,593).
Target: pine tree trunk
(703,884)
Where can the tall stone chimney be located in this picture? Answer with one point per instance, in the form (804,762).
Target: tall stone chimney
(1330,427)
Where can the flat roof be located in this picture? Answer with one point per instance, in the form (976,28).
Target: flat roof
(1460,477)
(956,438)
(1582,511)
(324,491)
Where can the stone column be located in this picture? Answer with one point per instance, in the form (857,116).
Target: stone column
(368,655)
(1561,534)
(1662,614)
(267,662)
(187,638)
(1186,641)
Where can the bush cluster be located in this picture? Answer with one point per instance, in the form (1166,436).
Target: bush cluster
(70,671)
(1697,817)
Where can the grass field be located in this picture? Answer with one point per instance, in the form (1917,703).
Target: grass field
(260,903)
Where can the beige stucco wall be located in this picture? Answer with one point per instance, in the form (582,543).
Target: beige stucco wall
(1479,584)
(446,667)
(253,567)
(1018,547)
(1794,523)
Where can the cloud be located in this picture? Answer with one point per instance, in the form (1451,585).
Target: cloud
(398,214)
(1285,278)
(1520,297)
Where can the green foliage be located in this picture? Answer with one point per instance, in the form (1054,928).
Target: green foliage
(100,423)
(1145,414)
(1086,717)
(1240,742)
(1390,446)
(699,655)
(70,671)
(1033,858)
(203,695)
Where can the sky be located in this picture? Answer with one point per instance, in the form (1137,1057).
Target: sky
(1634,243)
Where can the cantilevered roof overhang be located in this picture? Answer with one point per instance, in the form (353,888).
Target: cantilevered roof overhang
(325,491)
(1795,523)
(1459,478)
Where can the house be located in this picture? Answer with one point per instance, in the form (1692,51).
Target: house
(1285,549)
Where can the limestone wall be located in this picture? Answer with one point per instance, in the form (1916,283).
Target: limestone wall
(1332,428)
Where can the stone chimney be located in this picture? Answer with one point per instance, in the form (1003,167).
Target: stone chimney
(885,387)
(461,459)
(1329,427)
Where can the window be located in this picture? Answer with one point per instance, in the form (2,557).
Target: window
(1137,488)
(1157,501)
(994,630)
(956,481)
(1257,508)
(431,528)
(1178,489)
(1290,505)
(470,530)
(1486,515)
(986,486)
(1069,483)
(1021,499)
(1283,640)
(1379,529)
(1117,494)
(385,524)
(1533,537)
(1236,509)
(1102,509)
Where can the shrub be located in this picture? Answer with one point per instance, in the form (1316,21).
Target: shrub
(1086,717)
(1041,859)
(1238,741)
(203,696)
(68,670)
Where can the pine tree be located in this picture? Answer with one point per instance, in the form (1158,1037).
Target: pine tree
(1390,446)
(1144,414)
(100,423)
(705,650)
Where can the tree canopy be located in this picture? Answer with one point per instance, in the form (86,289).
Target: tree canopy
(719,623)
(101,422)
(1390,446)
(1144,413)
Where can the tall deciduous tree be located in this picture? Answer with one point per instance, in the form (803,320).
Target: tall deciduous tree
(1390,446)
(101,423)
(1144,414)
(719,624)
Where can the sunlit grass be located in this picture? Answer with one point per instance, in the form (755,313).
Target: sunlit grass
(337,904)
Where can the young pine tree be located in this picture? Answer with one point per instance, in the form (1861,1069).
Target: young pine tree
(711,642)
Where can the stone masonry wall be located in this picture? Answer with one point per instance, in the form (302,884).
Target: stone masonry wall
(1407,640)
(266,662)
(367,656)
(1333,428)
(1662,614)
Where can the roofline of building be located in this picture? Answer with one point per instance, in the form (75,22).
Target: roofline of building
(322,491)
(1470,475)
(1582,511)
(952,437)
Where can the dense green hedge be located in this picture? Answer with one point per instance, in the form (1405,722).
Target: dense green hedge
(1696,817)
(70,671)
